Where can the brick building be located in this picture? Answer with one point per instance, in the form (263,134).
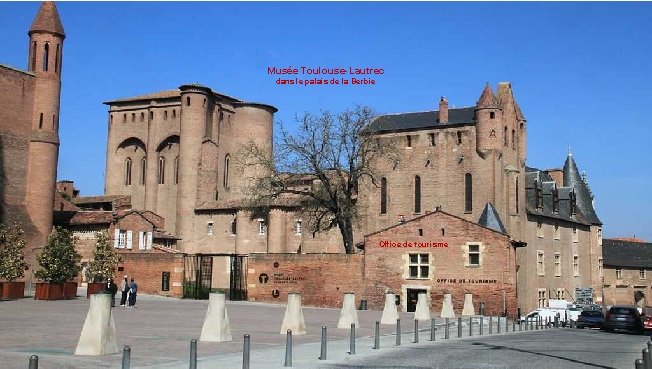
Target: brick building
(625,271)
(463,159)
(29,126)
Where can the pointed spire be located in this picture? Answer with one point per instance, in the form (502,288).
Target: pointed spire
(487,99)
(573,178)
(47,20)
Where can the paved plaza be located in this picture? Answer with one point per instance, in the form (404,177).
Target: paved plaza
(159,331)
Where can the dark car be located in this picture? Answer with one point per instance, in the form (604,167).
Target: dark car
(625,318)
(590,319)
(646,315)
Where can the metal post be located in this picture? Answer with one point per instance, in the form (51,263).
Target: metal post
(377,336)
(498,324)
(245,352)
(126,357)
(481,325)
(514,325)
(322,355)
(491,325)
(398,332)
(193,354)
(459,327)
(433,329)
(531,324)
(470,326)
(646,356)
(33,362)
(638,364)
(416,330)
(446,331)
(352,340)
(538,323)
(648,360)
(288,349)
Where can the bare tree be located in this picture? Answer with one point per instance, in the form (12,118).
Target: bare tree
(316,169)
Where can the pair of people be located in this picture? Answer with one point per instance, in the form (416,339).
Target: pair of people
(129,292)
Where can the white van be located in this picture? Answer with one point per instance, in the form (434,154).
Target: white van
(546,313)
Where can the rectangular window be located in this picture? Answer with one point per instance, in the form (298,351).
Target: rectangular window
(209,228)
(575,235)
(557,264)
(560,293)
(641,273)
(431,139)
(233,227)
(261,226)
(542,297)
(474,255)
(419,265)
(600,266)
(122,239)
(297,227)
(557,232)
(408,142)
(539,229)
(599,236)
(540,263)
(576,265)
(619,273)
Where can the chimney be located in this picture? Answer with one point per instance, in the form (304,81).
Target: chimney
(443,110)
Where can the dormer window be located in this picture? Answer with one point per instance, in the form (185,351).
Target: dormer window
(555,200)
(539,195)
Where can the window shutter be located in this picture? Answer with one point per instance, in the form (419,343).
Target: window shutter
(129,239)
(149,240)
(117,238)
(141,240)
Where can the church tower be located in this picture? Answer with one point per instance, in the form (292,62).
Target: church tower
(46,37)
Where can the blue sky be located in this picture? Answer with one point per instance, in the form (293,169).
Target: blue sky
(580,72)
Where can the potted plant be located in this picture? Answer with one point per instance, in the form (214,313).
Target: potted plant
(102,267)
(12,261)
(59,263)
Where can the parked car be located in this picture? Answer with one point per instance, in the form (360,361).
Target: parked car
(624,317)
(590,319)
(646,315)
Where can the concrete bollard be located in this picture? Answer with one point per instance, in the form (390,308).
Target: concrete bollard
(459,327)
(245,352)
(447,307)
(33,362)
(390,314)
(216,323)
(491,325)
(348,315)
(468,308)
(193,354)
(433,329)
(126,357)
(422,312)
(447,330)
(98,336)
(288,349)
(377,336)
(638,364)
(398,332)
(322,355)
(293,319)
(416,331)
(352,340)
(481,325)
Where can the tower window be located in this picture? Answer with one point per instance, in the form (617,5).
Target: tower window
(417,194)
(468,193)
(492,115)
(124,118)
(297,227)
(459,137)
(431,138)
(188,101)
(234,227)
(128,172)
(143,170)
(517,204)
(46,56)
(33,63)
(383,195)
(176,170)
(151,115)
(174,113)
(142,117)
(56,59)
(513,139)
(161,170)
(573,203)
(209,229)
(408,142)
(262,227)
(204,104)
(165,115)
(227,159)
(133,117)
(110,118)
(54,122)
(505,137)
(40,121)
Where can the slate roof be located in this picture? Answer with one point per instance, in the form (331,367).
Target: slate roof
(47,19)
(95,199)
(420,120)
(618,253)
(491,219)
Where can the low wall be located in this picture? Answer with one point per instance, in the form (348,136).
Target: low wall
(322,279)
(147,269)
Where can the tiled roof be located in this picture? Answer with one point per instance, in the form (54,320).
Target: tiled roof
(629,239)
(47,19)
(421,120)
(96,199)
(153,96)
(83,217)
(626,254)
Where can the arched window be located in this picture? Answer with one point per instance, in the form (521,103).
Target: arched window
(46,56)
(151,115)
(513,139)
(468,193)
(133,117)
(33,62)
(40,121)
(128,172)
(176,170)
(161,170)
(505,137)
(383,195)
(142,117)
(124,118)
(143,170)
(417,194)
(517,195)
(165,115)
(227,159)
(174,113)
(56,60)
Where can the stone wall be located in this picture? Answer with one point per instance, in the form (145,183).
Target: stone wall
(147,270)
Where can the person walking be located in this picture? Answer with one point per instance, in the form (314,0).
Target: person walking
(124,288)
(111,288)
(133,290)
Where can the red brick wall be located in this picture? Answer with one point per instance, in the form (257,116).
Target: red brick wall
(322,279)
(147,268)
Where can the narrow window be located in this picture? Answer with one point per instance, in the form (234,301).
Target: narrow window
(641,274)
(576,237)
(161,170)
(517,202)
(174,113)
(505,137)
(46,56)
(233,227)
(227,159)
(555,200)
(492,115)
(297,227)
(468,193)
(176,170)
(204,104)
(540,263)
(409,141)
(417,194)
(151,115)
(165,115)
(600,265)
(539,229)
(557,232)
(142,117)
(209,229)
(54,122)
(431,138)
(128,172)
(261,226)
(539,195)
(443,232)
(557,264)
(383,195)
(133,117)
(619,273)
(33,63)
(124,118)
(459,137)
(474,255)
(513,139)
(56,60)
(420,231)
(143,170)
(208,128)
(573,204)
(188,101)
(111,118)
(576,265)
(40,121)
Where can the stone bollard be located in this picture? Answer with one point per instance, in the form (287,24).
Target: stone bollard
(447,307)
(390,314)
(216,323)
(468,309)
(422,311)
(293,319)
(638,364)
(98,336)
(648,359)
(348,315)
